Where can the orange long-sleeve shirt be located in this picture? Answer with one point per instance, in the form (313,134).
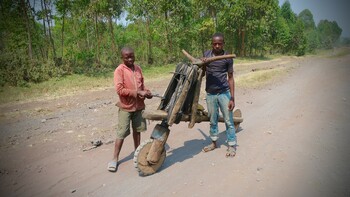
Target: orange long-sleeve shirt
(127,82)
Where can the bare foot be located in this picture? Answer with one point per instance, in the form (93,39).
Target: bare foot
(210,147)
(231,151)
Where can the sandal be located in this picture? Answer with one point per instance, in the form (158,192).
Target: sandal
(231,151)
(112,166)
(208,148)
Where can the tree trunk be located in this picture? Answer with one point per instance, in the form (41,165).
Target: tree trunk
(98,40)
(242,45)
(239,42)
(215,20)
(114,51)
(144,41)
(24,8)
(233,46)
(168,37)
(150,55)
(62,32)
(45,51)
(202,43)
(50,35)
(37,51)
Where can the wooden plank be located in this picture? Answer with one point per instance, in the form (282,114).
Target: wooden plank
(162,115)
(181,99)
(196,99)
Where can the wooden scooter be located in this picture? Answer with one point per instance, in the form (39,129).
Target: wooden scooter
(179,103)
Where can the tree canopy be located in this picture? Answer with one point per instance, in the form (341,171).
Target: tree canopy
(53,38)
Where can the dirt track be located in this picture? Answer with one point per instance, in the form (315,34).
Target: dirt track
(294,141)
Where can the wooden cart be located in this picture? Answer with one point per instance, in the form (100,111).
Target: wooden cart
(179,103)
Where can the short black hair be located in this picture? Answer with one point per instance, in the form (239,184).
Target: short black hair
(126,49)
(218,34)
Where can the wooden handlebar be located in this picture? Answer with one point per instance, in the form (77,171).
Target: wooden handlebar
(208,60)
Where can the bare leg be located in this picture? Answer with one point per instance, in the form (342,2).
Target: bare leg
(117,147)
(113,165)
(137,138)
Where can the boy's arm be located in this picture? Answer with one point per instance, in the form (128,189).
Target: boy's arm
(119,85)
(231,83)
(148,93)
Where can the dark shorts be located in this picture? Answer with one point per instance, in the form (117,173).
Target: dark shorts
(138,123)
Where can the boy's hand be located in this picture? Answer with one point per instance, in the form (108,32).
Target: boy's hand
(231,105)
(203,59)
(141,94)
(148,94)
(144,94)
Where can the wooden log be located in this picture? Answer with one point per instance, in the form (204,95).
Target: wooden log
(162,115)
(196,99)
(157,147)
(200,63)
(181,99)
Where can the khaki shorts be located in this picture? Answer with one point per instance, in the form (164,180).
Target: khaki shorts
(138,123)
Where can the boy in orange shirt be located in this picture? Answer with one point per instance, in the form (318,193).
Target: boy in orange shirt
(129,84)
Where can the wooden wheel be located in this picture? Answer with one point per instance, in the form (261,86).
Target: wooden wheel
(140,159)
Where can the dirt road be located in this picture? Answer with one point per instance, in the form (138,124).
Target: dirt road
(294,141)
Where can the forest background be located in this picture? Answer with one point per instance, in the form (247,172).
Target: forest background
(53,39)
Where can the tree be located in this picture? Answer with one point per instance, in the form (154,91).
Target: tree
(47,10)
(112,9)
(211,8)
(312,38)
(86,33)
(282,35)
(62,7)
(24,11)
(287,12)
(144,10)
(329,33)
(250,22)
(308,19)
(298,41)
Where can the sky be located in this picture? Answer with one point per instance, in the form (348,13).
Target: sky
(332,10)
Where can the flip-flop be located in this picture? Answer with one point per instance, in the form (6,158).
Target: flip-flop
(208,148)
(112,166)
(231,151)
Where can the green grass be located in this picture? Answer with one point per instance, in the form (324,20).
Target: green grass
(242,60)
(332,53)
(261,77)
(53,88)
(72,84)
(341,52)
(77,83)
(157,72)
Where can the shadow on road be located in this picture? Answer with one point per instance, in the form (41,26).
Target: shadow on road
(127,158)
(192,148)
(187,151)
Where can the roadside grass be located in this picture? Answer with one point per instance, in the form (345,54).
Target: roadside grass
(332,53)
(55,87)
(261,77)
(72,84)
(242,60)
(340,52)
(157,72)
